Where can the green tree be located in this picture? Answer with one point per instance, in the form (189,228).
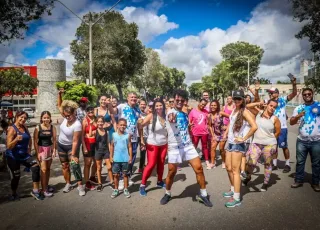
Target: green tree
(195,90)
(264,80)
(172,79)
(15,16)
(74,90)
(238,54)
(15,81)
(283,82)
(307,11)
(118,54)
(107,89)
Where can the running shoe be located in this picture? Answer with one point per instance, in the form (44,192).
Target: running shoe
(179,168)
(81,190)
(89,186)
(121,185)
(316,187)
(142,191)
(165,199)
(243,175)
(264,188)
(223,165)
(161,184)
(205,200)
(47,193)
(213,166)
(286,169)
(50,189)
(130,182)
(115,193)
(14,197)
(126,193)
(274,168)
(99,188)
(67,188)
(93,180)
(36,195)
(296,185)
(228,194)
(233,203)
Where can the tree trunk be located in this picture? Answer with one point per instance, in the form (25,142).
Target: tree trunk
(119,88)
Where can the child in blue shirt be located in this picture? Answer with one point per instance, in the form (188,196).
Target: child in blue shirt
(121,157)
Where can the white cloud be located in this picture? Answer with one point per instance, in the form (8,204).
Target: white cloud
(268,27)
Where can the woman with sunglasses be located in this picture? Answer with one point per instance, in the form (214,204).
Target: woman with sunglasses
(18,152)
(89,125)
(69,143)
(217,130)
(45,142)
(156,144)
(238,134)
(264,142)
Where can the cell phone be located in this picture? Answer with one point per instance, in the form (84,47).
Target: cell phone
(290,76)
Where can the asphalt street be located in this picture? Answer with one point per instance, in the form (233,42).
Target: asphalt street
(279,208)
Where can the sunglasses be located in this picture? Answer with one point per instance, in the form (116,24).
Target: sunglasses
(177,100)
(171,101)
(237,98)
(67,116)
(90,111)
(306,94)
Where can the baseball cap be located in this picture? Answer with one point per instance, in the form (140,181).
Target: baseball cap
(238,94)
(273,90)
(84,99)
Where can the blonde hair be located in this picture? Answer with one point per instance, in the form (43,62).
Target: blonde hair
(69,106)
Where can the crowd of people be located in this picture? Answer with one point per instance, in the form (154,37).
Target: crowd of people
(246,130)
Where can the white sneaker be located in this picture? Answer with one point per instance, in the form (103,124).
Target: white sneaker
(81,190)
(121,185)
(67,188)
(130,182)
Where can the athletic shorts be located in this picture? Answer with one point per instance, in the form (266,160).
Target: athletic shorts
(237,148)
(134,146)
(64,152)
(177,156)
(45,153)
(120,167)
(101,156)
(283,139)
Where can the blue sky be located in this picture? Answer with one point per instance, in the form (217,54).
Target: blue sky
(187,34)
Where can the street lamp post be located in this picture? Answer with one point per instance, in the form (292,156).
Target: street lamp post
(90,24)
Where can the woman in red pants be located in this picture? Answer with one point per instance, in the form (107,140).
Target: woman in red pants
(156,144)
(199,128)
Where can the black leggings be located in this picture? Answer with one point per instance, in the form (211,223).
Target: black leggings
(14,168)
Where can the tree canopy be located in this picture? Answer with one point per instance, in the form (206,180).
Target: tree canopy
(16,14)
(118,54)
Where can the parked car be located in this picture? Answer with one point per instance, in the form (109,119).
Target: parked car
(29,111)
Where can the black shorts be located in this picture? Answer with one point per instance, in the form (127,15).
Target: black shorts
(101,156)
(64,152)
(92,151)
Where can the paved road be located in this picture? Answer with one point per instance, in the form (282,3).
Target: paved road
(279,208)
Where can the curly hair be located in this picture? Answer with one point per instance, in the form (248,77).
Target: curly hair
(239,119)
(69,106)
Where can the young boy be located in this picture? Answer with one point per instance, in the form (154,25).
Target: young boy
(120,156)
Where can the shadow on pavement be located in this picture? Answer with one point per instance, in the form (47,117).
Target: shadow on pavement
(190,191)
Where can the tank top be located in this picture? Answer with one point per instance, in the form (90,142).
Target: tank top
(232,134)
(20,150)
(102,146)
(45,136)
(217,124)
(121,153)
(87,129)
(107,117)
(160,135)
(226,120)
(265,132)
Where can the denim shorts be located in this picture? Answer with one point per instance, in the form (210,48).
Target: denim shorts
(118,167)
(237,148)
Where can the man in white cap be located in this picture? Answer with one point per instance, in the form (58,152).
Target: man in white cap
(281,114)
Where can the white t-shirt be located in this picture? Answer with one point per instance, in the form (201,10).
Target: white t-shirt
(242,132)
(66,133)
(280,111)
(160,135)
(309,129)
(131,114)
(178,134)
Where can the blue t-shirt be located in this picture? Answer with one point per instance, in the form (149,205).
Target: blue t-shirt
(120,142)
(280,111)
(131,114)
(309,129)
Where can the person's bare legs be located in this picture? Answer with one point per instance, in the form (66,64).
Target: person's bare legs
(109,168)
(172,171)
(99,169)
(197,168)
(214,145)
(222,145)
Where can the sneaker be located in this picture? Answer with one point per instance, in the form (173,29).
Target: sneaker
(286,169)
(243,175)
(121,185)
(274,168)
(47,193)
(316,187)
(81,190)
(213,166)
(165,199)
(264,188)
(161,184)
(93,180)
(233,203)
(296,185)
(228,194)
(89,186)
(130,182)
(205,200)
(126,193)
(36,195)
(179,168)
(50,189)
(67,188)
(142,191)
(223,165)
(14,197)
(99,188)
(247,180)
(115,193)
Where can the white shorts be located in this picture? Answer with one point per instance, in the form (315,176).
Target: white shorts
(176,156)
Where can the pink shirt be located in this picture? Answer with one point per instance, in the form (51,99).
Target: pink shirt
(207,108)
(199,119)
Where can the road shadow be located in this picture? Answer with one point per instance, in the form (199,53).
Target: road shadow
(307,177)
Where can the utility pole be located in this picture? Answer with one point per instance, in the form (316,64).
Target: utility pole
(248,71)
